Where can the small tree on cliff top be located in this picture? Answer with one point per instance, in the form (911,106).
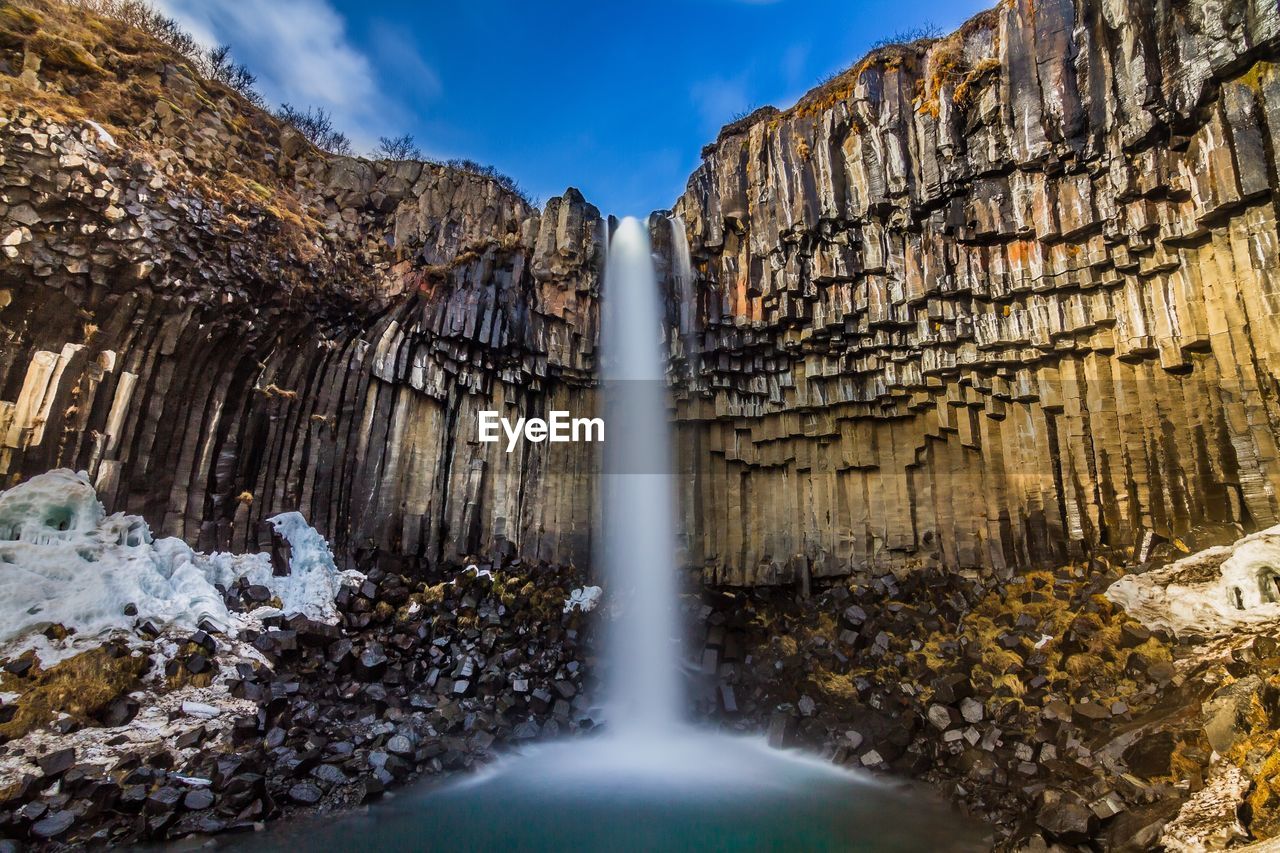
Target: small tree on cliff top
(397,148)
(316,124)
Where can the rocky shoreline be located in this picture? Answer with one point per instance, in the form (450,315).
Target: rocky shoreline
(1036,704)
(416,680)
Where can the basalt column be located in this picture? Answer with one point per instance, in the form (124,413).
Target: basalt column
(992,300)
(323,347)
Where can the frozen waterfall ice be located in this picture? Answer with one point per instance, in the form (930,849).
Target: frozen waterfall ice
(64,561)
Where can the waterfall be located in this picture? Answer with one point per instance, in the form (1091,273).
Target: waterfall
(653,781)
(637,546)
(682,270)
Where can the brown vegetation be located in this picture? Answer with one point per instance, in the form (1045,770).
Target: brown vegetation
(81,687)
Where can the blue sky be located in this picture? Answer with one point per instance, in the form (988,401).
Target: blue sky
(615,99)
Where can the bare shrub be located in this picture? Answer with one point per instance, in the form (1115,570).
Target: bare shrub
(927,30)
(397,148)
(316,124)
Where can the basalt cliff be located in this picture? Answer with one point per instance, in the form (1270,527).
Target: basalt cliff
(991,301)
(216,320)
(988,301)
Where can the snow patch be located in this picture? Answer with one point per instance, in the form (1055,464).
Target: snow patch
(105,138)
(584,599)
(477,571)
(200,709)
(1212,592)
(64,561)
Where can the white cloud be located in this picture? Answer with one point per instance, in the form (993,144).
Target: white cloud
(396,50)
(193,20)
(301,53)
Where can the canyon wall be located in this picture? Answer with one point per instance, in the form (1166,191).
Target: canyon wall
(992,300)
(986,301)
(219,322)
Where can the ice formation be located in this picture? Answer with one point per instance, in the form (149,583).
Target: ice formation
(313,580)
(1211,592)
(64,561)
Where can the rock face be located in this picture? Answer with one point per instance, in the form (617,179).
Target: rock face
(219,322)
(991,300)
(987,301)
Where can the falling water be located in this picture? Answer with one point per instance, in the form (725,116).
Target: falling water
(682,270)
(637,544)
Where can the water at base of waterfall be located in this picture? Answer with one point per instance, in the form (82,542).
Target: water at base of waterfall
(697,791)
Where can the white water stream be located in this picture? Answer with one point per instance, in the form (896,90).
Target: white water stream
(637,546)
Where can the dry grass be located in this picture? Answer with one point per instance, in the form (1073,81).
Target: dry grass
(1257,753)
(1255,78)
(968,89)
(835,686)
(17,23)
(383,612)
(530,603)
(81,687)
(1083,666)
(1095,624)
(101,68)
(184,677)
(1264,799)
(63,54)
(274,390)
(946,67)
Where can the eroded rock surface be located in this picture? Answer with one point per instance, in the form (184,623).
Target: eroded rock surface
(992,300)
(219,322)
(981,302)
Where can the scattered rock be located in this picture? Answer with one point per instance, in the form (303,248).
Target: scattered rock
(56,763)
(1151,755)
(1066,819)
(305,794)
(53,825)
(198,799)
